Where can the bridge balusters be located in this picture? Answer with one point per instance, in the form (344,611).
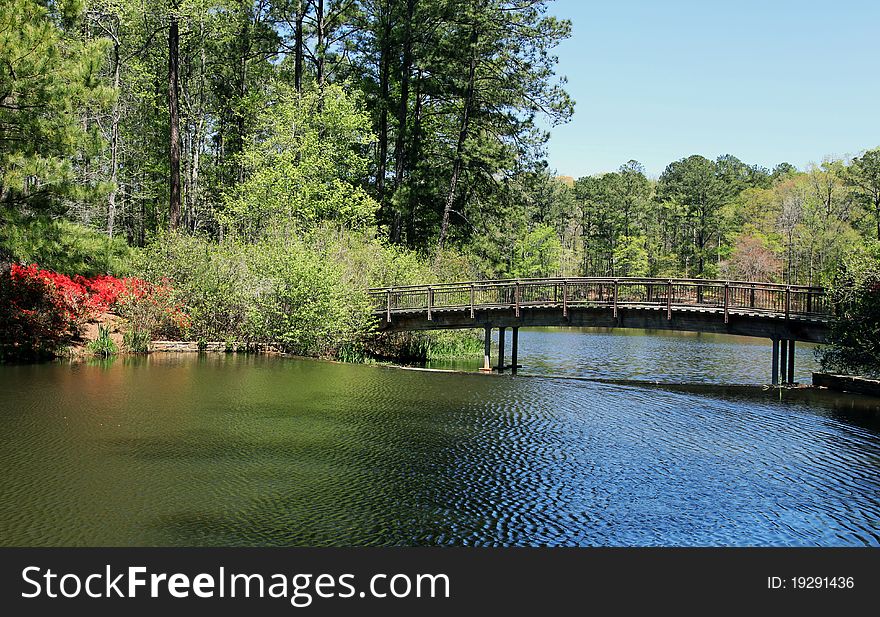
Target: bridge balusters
(726,302)
(615,298)
(565,299)
(787,301)
(430,301)
(516,294)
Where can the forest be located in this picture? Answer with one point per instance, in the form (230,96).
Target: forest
(269,160)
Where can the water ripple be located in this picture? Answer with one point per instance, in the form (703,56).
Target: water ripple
(256,451)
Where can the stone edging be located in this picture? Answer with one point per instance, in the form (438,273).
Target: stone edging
(847,383)
(210,346)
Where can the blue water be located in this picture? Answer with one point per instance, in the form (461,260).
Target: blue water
(238,450)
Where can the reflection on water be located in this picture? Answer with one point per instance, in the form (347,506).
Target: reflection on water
(236,450)
(636,354)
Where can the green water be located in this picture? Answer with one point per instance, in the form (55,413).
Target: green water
(251,450)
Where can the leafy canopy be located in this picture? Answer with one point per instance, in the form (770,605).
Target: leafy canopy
(304,165)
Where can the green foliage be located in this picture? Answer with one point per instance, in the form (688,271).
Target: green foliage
(855,335)
(864,176)
(47,78)
(304,164)
(136,341)
(427,345)
(103,346)
(452,344)
(537,254)
(283,293)
(697,190)
(631,257)
(63,246)
(305,294)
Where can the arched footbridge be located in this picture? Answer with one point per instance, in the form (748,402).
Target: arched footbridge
(783,313)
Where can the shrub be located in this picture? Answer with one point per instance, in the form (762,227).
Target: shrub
(151,310)
(304,292)
(34,319)
(42,310)
(855,334)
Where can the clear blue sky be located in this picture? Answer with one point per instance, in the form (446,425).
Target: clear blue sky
(767,81)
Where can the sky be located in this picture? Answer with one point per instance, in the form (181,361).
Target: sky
(767,81)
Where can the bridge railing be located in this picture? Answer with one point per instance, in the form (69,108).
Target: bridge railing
(571,292)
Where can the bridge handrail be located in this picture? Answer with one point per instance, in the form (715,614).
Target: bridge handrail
(606,279)
(778,298)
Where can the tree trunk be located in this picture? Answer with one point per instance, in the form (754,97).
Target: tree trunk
(412,161)
(877,213)
(198,138)
(384,89)
(114,144)
(319,44)
(462,136)
(242,88)
(402,112)
(174,117)
(298,47)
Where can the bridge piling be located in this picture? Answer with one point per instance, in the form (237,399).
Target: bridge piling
(514,346)
(774,364)
(791,361)
(487,351)
(501,336)
(783,361)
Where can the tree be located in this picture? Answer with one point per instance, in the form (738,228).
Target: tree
(792,196)
(753,260)
(48,79)
(304,165)
(174,117)
(537,254)
(698,186)
(601,221)
(503,78)
(782,170)
(631,256)
(633,192)
(864,176)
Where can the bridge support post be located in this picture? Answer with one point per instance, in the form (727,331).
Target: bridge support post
(487,351)
(502,334)
(791,361)
(774,364)
(783,361)
(514,347)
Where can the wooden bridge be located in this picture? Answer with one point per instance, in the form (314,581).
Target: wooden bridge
(782,313)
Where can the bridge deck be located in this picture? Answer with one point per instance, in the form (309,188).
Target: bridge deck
(746,308)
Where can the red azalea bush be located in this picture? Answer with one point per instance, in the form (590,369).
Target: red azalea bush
(41,309)
(34,318)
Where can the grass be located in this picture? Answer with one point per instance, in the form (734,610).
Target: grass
(136,341)
(451,345)
(103,346)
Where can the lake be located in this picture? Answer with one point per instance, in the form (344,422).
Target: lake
(186,449)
